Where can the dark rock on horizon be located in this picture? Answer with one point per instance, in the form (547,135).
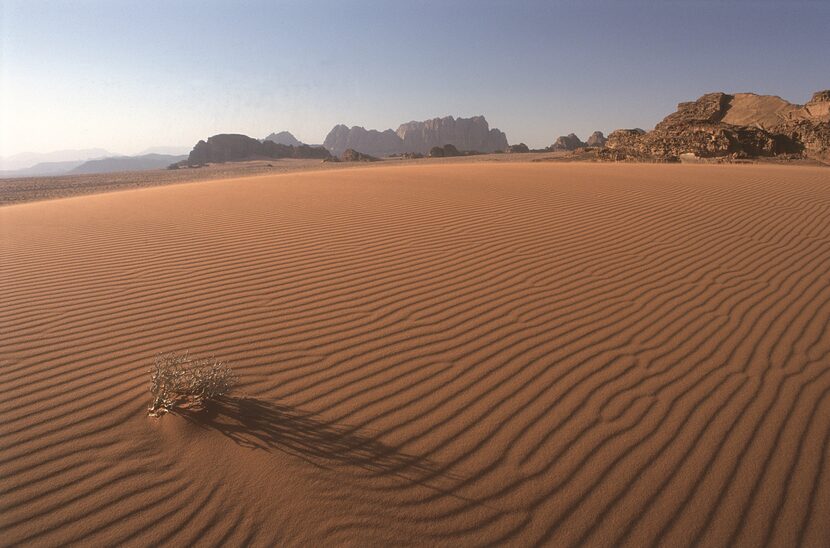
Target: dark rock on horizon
(229,147)
(521,148)
(351,155)
(446,151)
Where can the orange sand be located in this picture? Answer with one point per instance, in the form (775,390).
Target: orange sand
(459,354)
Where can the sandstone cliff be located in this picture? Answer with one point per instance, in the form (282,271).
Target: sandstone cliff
(468,134)
(743,125)
(372,141)
(463,133)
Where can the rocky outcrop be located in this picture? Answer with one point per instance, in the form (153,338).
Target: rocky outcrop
(567,142)
(229,147)
(283,138)
(521,148)
(350,155)
(719,125)
(473,134)
(310,152)
(224,147)
(463,133)
(446,151)
(597,139)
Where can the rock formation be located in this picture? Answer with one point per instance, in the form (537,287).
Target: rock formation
(373,142)
(518,149)
(351,155)
(228,147)
(743,125)
(567,142)
(446,151)
(469,134)
(127,163)
(597,139)
(473,134)
(283,138)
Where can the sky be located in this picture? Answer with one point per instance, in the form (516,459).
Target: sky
(126,76)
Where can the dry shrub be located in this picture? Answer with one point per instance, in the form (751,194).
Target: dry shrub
(181,380)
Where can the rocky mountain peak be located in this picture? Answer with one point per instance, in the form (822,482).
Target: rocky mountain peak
(283,138)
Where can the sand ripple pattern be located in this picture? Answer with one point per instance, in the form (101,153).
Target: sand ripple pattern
(562,355)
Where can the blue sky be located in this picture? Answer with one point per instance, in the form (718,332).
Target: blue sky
(130,75)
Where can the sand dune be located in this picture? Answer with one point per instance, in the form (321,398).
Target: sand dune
(458,354)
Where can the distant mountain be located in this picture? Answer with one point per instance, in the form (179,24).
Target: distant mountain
(127,163)
(44,169)
(463,133)
(283,138)
(29,159)
(368,141)
(418,137)
(171,150)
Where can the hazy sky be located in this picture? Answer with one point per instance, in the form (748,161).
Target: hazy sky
(129,75)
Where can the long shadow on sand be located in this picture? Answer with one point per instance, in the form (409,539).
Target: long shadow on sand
(265,425)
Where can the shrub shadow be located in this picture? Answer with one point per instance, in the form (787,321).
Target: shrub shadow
(265,425)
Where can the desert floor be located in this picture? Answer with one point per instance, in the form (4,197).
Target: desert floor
(441,354)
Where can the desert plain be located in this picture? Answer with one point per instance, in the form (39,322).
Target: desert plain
(448,354)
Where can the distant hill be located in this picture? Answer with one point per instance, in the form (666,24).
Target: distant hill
(233,147)
(283,138)
(44,169)
(127,163)
(171,150)
(26,160)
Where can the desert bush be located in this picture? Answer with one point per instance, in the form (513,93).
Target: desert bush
(183,380)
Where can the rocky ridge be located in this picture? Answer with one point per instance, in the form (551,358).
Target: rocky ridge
(230,147)
(719,125)
(284,138)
